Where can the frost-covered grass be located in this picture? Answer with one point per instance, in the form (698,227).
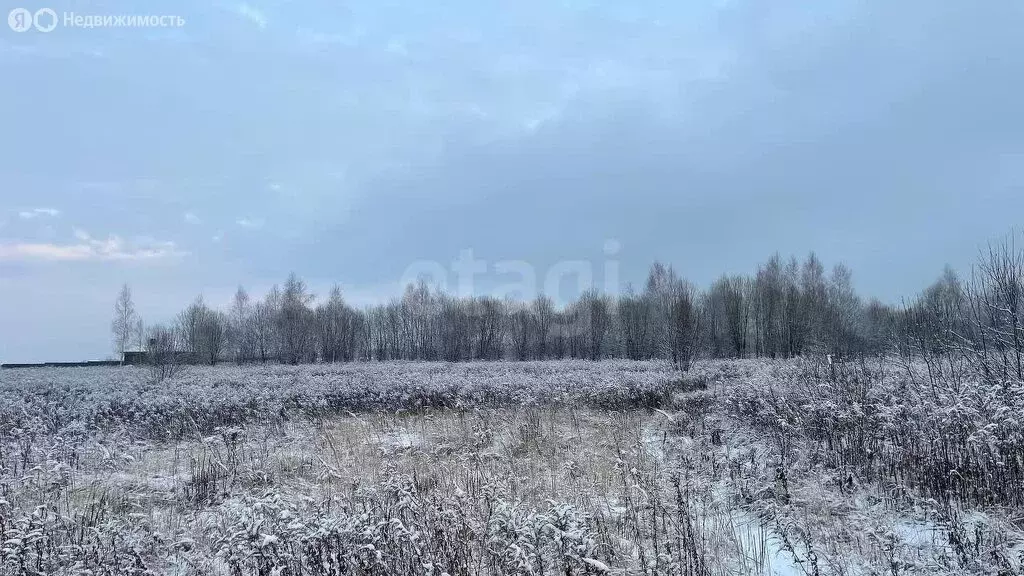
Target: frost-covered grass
(873,466)
(540,490)
(200,399)
(738,467)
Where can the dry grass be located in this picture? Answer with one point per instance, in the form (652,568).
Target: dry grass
(516,490)
(696,486)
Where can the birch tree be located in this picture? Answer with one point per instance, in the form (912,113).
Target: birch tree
(125,321)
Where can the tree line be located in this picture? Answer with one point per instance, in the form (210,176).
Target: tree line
(787,308)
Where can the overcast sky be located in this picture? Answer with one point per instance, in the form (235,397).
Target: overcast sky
(348,140)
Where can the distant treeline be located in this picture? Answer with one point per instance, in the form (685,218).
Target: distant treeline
(786,308)
(84,364)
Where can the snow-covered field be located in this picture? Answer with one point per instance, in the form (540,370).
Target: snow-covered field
(737,467)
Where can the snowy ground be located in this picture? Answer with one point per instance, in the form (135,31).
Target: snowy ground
(551,487)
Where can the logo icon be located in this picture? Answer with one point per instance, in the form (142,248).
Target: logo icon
(20,19)
(45,19)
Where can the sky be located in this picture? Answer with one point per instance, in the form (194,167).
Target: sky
(365,141)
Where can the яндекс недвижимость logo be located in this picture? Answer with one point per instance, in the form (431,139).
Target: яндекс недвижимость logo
(46,20)
(43,20)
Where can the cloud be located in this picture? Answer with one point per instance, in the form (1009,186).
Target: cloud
(98,186)
(89,249)
(313,38)
(251,13)
(38,212)
(52,252)
(250,222)
(191,218)
(396,46)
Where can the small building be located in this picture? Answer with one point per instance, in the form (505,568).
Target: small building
(153,354)
(135,357)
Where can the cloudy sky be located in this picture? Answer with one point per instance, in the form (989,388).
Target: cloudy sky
(351,140)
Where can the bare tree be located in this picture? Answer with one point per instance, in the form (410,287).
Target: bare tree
(161,352)
(845,326)
(240,327)
(212,335)
(264,327)
(295,322)
(489,321)
(728,307)
(190,328)
(993,331)
(203,332)
(125,321)
(337,328)
(521,328)
(328,317)
(658,294)
(813,303)
(543,310)
(768,308)
(140,333)
(597,313)
(560,327)
(636,325)
(455,324)
(684,324)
